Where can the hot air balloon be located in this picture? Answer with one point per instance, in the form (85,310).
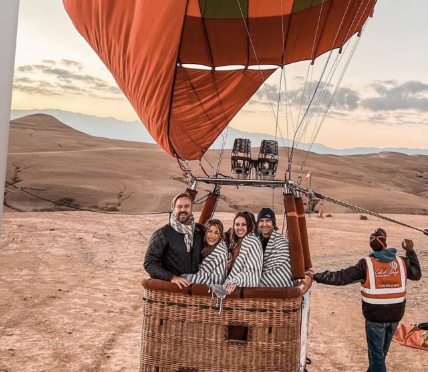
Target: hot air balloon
(188,67)
(149,46)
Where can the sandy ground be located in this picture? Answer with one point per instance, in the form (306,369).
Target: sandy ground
(70,293)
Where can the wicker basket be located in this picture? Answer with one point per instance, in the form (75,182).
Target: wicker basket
(258,329)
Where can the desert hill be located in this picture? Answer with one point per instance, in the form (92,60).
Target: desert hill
(49,159)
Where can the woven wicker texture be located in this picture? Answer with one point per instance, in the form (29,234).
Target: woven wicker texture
(187,333)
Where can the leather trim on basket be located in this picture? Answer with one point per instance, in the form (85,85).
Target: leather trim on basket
(259,292)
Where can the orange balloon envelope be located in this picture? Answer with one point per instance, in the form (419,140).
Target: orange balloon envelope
(146,43)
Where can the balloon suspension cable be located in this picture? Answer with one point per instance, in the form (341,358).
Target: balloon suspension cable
(203,170)
(74,207)
(275,114)
(321,97)
(288,171)
(223,145)
(202,199)
(312,193)
(299,178)
(185,167)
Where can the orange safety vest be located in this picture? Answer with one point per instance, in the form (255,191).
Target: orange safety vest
(385,281)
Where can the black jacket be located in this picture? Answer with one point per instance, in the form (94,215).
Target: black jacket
(167,253)
(390,313)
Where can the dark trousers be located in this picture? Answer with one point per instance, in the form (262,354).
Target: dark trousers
(379,337)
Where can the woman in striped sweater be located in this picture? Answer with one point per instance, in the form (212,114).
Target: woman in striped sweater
(246,254)
(214,256)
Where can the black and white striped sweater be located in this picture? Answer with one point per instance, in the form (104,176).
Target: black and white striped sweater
(276,271)
(213,268)
(247,268)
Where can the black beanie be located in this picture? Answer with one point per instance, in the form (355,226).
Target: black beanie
(378,240)
(266,213)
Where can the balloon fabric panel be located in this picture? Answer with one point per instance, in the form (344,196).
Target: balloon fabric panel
(138,41)
(144,43)
(204,103)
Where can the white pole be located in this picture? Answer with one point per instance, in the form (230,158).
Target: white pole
(8,29)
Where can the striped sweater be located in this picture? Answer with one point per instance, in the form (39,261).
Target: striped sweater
(213,268)
(276,270)
(248,265)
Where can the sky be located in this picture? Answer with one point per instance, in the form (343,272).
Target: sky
(382,100)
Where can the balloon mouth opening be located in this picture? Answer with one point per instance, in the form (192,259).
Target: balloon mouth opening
(193,66)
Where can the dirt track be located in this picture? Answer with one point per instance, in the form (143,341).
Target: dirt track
(70,294)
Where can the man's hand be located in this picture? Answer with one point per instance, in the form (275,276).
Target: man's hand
(230,288)
(181,282)
(229,262)
(407,245)
(310,272)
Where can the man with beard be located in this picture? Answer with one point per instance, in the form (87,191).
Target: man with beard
(175,248)
(276,271)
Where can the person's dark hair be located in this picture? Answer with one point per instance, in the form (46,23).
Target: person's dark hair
(378,240)
(250,226)
(234,241)
(216,223)
(179,196)
(253,220)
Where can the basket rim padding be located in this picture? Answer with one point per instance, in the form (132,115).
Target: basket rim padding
(257,292)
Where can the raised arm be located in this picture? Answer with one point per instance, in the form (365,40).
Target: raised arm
(344,276)
(412,263)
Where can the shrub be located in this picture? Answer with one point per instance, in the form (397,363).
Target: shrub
(66,203)
(111,209)
(362,217)
(66,200)
(329,215)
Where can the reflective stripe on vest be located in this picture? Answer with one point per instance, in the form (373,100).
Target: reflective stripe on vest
(390,287)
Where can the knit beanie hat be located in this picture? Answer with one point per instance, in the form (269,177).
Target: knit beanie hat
(266,213)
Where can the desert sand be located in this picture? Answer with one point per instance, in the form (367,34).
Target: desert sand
(71,295)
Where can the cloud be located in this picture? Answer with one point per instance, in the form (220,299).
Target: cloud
(391,96)
(23,80)
(69,80)
(320,95)
(70,63)
(29,68)
(114,90)
(346,98)
(378,117)
(387,96)
(39,88)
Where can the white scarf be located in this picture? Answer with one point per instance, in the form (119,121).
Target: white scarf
(188,230)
